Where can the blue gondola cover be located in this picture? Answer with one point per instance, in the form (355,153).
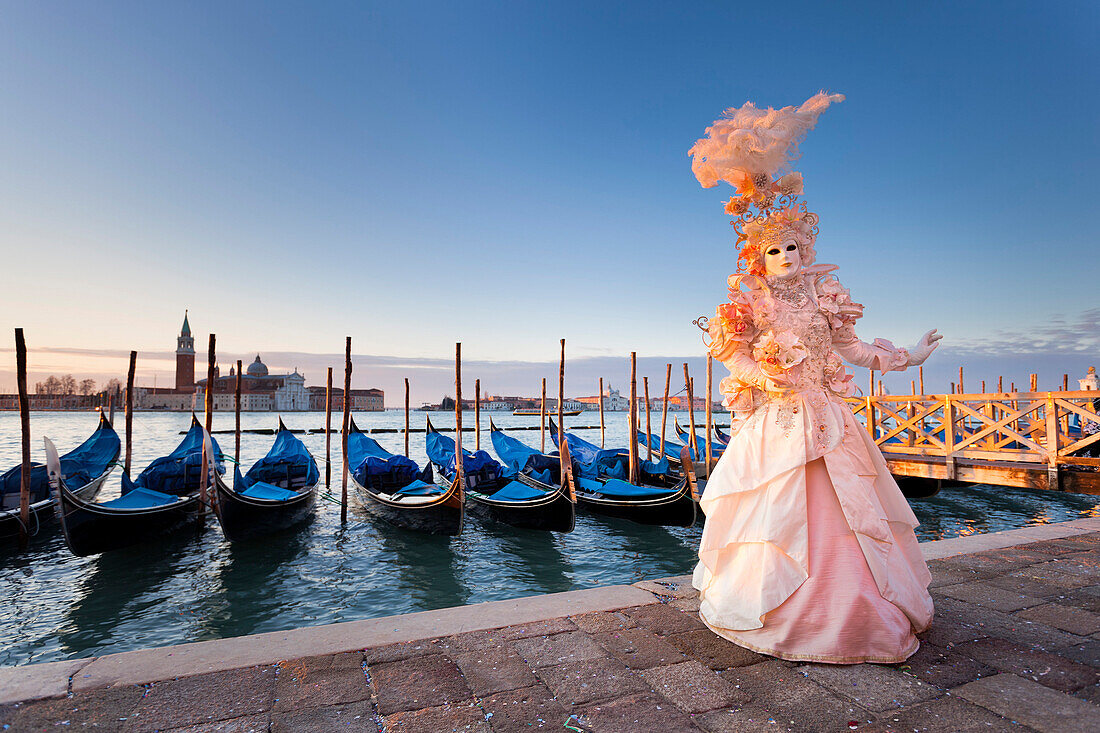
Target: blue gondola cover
(79,466)
(179,471)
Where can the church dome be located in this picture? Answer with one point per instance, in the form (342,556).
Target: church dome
(257,368)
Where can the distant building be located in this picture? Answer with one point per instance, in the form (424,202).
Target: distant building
(1090,382)
(182,396)
(362,400)
(612,401)
(266,391)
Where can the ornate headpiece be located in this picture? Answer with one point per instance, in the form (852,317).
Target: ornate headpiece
(750,148)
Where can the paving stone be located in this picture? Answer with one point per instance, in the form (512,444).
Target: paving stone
(945,715)
(494,669)
(205,698)
(248,724)
(1054,573)
(1032,704)
(986,595)
(311,688)
(1086,564)
(598,621)
(1045,668)
(419,682)
(348,660)
(537,628)
(470,641)
(947,633)
(876,688)
(712,650)
(943,668)
(945,574)
(399,651)
(1066,618)
(355,716)
(982,565)
(783,695)
(1063,546)
(635,714)
(1089,694)
(543,651)
(1087,598)
(1029,586)
(1018,555)
(529,708)
(687,605)
(990,622)
(663,619)
(1087,653)
(577,683)
(465,717)
(693,687)
(638,648)
(107,709)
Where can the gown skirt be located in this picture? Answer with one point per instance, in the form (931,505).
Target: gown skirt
(784,573)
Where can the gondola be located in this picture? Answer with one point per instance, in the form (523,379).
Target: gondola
(685,438)
(662,497)
(278,492)
(393,488)
(526,497)
(163,498)
(672,448)
(86,468)
(722,435)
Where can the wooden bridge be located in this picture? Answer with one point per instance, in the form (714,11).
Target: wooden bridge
(1023,439)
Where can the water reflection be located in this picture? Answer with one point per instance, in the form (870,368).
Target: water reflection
(248,582)
(533,558)
(427,567)
(120,587)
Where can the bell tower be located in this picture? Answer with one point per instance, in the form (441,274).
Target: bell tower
(185,358)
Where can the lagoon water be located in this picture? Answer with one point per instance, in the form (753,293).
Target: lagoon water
(54,606)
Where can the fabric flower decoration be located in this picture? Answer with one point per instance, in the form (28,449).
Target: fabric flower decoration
(737,396)
(789,185)
(779,353)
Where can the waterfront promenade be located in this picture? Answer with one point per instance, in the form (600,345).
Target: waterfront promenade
(1015,647)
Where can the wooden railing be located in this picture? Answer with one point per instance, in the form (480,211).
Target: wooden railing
(1022,427)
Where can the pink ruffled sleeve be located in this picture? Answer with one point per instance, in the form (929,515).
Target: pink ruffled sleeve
(880,355)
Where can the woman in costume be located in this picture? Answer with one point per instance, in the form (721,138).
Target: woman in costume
(808,552)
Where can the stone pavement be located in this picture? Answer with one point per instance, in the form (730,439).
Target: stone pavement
(1015,647)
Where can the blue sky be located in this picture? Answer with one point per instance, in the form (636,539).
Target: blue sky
(415,174)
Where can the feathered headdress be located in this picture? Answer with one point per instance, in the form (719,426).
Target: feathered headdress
(752,149)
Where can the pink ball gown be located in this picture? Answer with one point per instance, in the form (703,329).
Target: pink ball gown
(808,552)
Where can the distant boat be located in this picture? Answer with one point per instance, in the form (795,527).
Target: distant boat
(529,412)
(163,498)
(277,492)
(85,468)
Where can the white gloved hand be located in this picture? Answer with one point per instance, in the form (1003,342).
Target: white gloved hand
(924,348)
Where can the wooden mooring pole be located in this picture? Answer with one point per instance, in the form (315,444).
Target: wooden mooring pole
(477,414)
(328,430)
(648,428)
(406,417)
(664,409)
(208,423)
(561,395)
(458,417)
(237,418)
(130,411)
(633,419)
(691,414)
(710,377)
(25,433)
(920,374)
(542,418)
(344,431)
(601,414)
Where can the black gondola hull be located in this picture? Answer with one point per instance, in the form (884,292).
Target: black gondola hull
(676,510)
(43,512)
(554,514)
(441,517)
(245,518)
(93,528)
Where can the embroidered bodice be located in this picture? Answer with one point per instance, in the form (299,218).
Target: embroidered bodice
(785,338)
